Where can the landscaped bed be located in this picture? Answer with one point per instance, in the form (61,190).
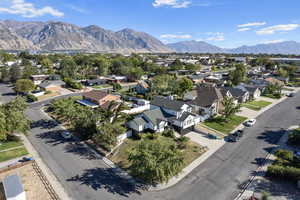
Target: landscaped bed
(256,105)
(226,127)
(11,154)
(120,155)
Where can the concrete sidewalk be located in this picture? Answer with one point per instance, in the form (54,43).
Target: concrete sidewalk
(10,162)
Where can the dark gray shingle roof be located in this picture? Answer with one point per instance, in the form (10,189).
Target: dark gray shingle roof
(167,103)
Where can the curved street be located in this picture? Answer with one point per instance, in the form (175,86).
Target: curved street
(221,176)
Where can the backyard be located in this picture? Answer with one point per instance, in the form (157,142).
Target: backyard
(227,126)
(256,105)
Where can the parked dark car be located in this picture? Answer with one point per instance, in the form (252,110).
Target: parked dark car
(232,138)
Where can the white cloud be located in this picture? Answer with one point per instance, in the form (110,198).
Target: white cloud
(77,9)
(173,36)
(278,28)
(172,3)
(273,41)
(243,29)
(252,24)
(216,37)
(28,10)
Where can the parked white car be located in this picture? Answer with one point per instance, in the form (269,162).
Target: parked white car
(250,122)
(66,135)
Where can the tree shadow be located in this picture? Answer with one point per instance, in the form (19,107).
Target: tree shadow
(271,136)
(81,150)
(43,123)
(54,137)
(100,178)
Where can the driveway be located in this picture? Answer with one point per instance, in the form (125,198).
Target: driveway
(220,177)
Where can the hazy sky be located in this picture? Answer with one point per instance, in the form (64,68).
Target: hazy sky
(226,23)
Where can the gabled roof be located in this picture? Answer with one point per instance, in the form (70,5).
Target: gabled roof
(206,96)
(155,116)
(167,103)
(138,121)
(235,92)
(96,94)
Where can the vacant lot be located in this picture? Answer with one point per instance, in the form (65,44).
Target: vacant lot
(256,105)
(225,126)
(32,184)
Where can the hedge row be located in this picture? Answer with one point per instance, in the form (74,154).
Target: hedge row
(288,173)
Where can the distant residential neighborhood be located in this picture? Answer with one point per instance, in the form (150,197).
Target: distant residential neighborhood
(153,118)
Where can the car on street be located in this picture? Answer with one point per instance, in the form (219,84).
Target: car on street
(232,138)
(238,133)
(250,122)
(292,94)
(66,135)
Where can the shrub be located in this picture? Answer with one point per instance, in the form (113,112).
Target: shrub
(73,84)
(152,136)
(283,172)
(294,138)
(31,98)
(284,154)
(168,133)
(48,92)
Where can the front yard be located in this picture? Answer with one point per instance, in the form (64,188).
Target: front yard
(11,154)
(225,126)
(256,105)
(120,155)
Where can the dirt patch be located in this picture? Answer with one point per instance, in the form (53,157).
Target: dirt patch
(33,186)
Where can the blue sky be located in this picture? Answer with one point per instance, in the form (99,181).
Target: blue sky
(226,23)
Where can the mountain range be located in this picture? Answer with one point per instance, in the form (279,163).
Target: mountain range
(287,47)
(50,36)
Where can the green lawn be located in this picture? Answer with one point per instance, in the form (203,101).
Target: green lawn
(256,105)
(225,127)
(8,155)
(8,145)
(192,152)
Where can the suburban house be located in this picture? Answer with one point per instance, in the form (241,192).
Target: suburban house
(13,188)
(94,82)
(178,113)
(96,98)
(142,87)
(206,101)
(254,91)
(239,95)
(274,81)
(38,79)
(151,120)
(53,86)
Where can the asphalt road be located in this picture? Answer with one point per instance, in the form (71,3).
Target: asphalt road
(218,178)
(6,93)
